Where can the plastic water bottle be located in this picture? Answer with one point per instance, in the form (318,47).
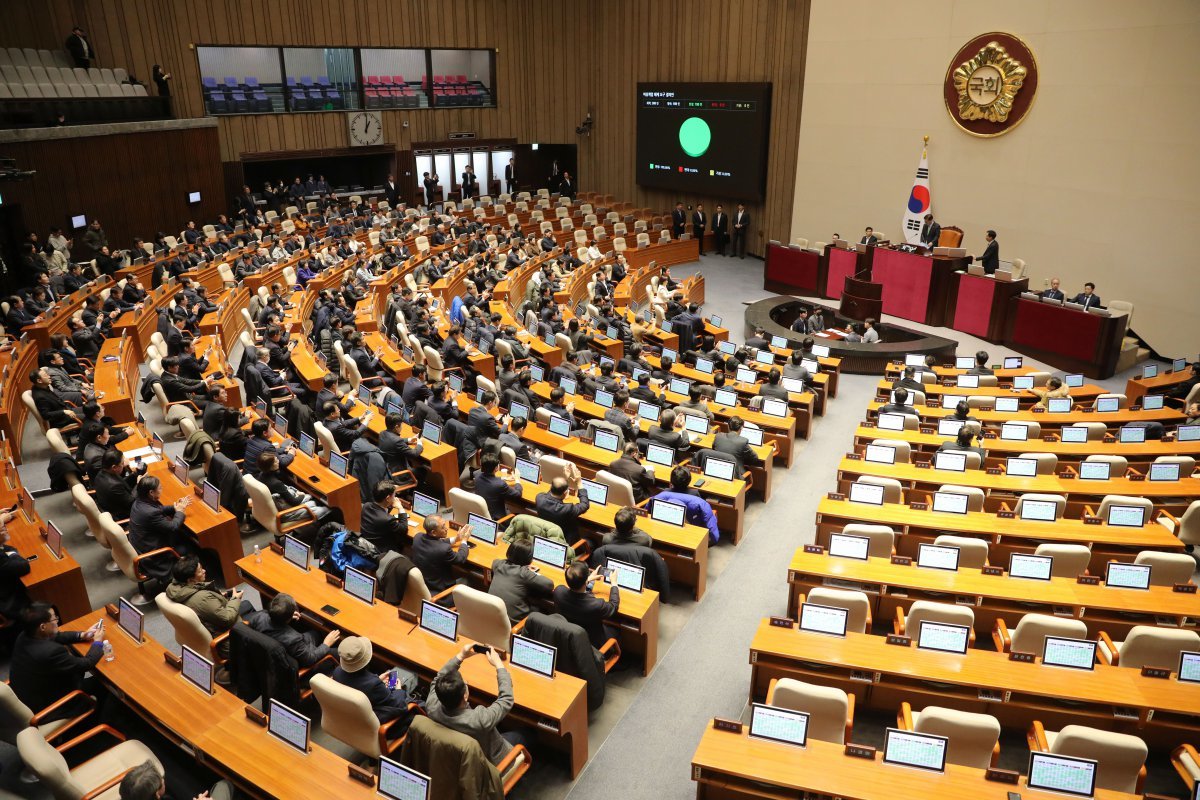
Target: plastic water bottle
(109,655)
(257,555)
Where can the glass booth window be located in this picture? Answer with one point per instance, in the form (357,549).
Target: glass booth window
(461,78)
(320,78)
(392,78)
(240,80)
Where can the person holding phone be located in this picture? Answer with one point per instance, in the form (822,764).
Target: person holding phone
(447,704)
(389,693)
(45,668)
(576,602)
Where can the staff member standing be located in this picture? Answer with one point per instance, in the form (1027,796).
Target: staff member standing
(931,232)
(678,221)
(698,220)
(510,178)
(991,255)
(741,223)
(720,229)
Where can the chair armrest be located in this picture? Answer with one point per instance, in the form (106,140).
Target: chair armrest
(315,667)
(771,690)
(849,715)
(904,720)
(611,650)
(390,747)
(291,526)
(1108,652)
(996,755)
(188,403)
(107,785)
(216,642)
(520,626)
(1162,512)
(505,519)
(96,731)
(1036,738)
(899,622)
(1001,637)
(158,552)
(583,549)
(442,595)
(1177,760)
(507,762)
(40,717)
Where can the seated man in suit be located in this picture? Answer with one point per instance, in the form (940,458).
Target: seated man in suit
(577,603)
(515,583)
(344,429)
(991,254)
(667,433)
(736,445)
(494,490)
(981,367)
(699,512)
(630,467)
(901,405)
(1054,293)
(389,696)
(908,381)
(869,237)
(51,408)
(792,368)
(114,484)
(436,554)
(625,530)
(773,387)
(695,403)
(963,443)
(622,415)
(278,620)
(380,527)
(399,451)
(553,507)
(759,340)
(1088,297)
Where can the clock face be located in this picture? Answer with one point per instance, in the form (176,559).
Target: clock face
(366,127)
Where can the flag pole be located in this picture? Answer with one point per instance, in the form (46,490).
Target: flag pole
(925,149)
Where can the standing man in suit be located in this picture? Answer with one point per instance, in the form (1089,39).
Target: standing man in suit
(736,445)
(469,183)
(869,237)
(698,220)
(678,221)
(80,48)
(392,191)
(720,229)
(1054,293)
(510,178)
(431,189)
(741,223)
(1088,297)
(566,187)
(930,232)
(991,254)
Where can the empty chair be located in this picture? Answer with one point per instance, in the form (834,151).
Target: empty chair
(981,402)
(903,449)
(1122,400)
(830,710)
(972,552)
(463,503)
(620,491)
(1186,526)
(975,495)
(883,538)
(893,492)
(858,620)
(15,716)
(1070,560)
(1121,758)
(909,624)
(1060,502)
(974,738)
(1047,463)
(483,617)
(553,467)
(96,777)
(1148,646)
(1119,465)
(347,715)
(1111,500)
(1167,569)
(1030,634)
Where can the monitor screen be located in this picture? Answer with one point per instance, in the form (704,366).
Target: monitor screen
(667,352)
(1132,434)
(549,552)
(779,341)
(950,502)
(130,620)
(967,382)
(746,375)
(1037,568)
(606,440)
(668,326)
(295,552)
(774,407)
(54,539)
(197,669)
(719,468)
(193,197)
(716,321)
(679,385)
(338,464)
(604,398)
(820,351)
(1150,371)
(359,584)
(78,220)
(1152,402)
(212,496)
(482,528)
(559,425)
(1039,510)
(943,636)
(844,545)
(454,380)
(528,470)
(611,332)
(533,655)
(909,749)
(705,366)
(660,454)
(431,432)
(1021,467)
(537,372)
(1061,405)
(866,493)
(1126,516)
(597,492)
(1187,433)
(950,460)
(518,410)
(890,422)
(1073,380)
(627,576)
(881,454)
(948,426)
(823,619)
(1073,434)
(398,782)
(725,397)
(728,348)
(952,400)
(1166,471)
(440,621)
(181,471)
(695,423)
(810,365)
(778,724)
(281,423)
(1013,362)
(423,505)
(754,435)
(1007,405)
(1179,364)
(1060,651)
(308,445)
(765,358)
(914,360)
(1023,382)
(650,411)
(1123,575)
(964,362)
(670,513)
(936,556)
(1094,470)
(1189,668)
(290,726)
(1066,774)
(1107,404)
(1014,432)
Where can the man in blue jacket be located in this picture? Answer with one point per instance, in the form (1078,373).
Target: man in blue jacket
(698,512)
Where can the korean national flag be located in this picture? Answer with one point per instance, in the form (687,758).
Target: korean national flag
(919,202)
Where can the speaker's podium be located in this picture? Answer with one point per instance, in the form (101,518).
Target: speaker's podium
(861,299)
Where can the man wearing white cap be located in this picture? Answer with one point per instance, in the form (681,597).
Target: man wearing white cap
(389,693)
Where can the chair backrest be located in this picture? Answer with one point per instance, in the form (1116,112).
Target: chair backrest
(826,706)
(415,591)
(1060,502)
(1119,464)
(262,504)
(883,538)
(325,440)
(893,492)
(463,503)
(31,407)
(972,736)
(972,552)
(1070,560)
(1120,756)
(1030,634)
(620,491)
(1122,400)
(1152,646)
(346,715)
(1126,500)
(14,715)
(1167,569)
(87,507)
(1187,464)
(482,617)
(855,602)
(57,443)
(1047,463)
(903,449)
(350,371)
(552,467)
(188,628)
(975,495)
(433,361)
(930,611)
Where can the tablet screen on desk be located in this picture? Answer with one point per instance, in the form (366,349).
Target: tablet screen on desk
(359,584)
(212,497)
(943,636)
(778,724)
(947,426)
(1007,405)
(793,385)
(611,332)
(1150,371)
(964,362)
(779,341)
(890,422)
(197,669)
(54,539)
(1053,773)
(1013,362)
(281,423)
(431,432)
(705,366)
(914,360)
(765,358)
(1152,402)
(1166,471)
(725,397)
(533,655)
(398,782)
(746,375)
(845,545)
(667,352)
(1179,364)
(130,619)
(518,410)
(1187,433)
(1123,575)
(308,445)
(719,468)
(1104,404)
(1061,405)
(1014,432)
(627,576)
(951,502)
(537,372)
(1126,516)
(338,464)
(774,407)
(289,725)
(810,365)
(695,423)
(295,552)
(820,351)
(753,435)
(670,513)
(952,400)
(605,440)
(1189,669)
(423,505)
(1072,434)
(869,493)
(1036,568)
(816,618)
(679,386)
(660,454)
(967,382)
(1132,434)
(604,398)
(920,750)
(908,401)
(1094,470)
(559,425)
(1039,510)
(650,411)
(1060,651)
(1073,380)
(597,492)
(482,528)
(439,621)
(881,454)
(549,552)
(455,381)
(181,471)
(950,460)
(1023,382)
(716,321)
(728,348)
(937,556)
(1021,467)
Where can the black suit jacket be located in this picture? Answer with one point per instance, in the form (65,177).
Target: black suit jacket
(641,480)
(564,515)
(991,257)
(1087,301)
(52,407)
(587,611)
(745,223)
(930,234)
(676,440)
(114,494)
(494,492)
(302,646)
(738,447)
(392,192)
(678,221)
(382,529)
(720,223)
(44,670)
(436,559)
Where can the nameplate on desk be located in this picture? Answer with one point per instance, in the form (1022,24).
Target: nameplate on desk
(1184,588)
(1038,410)
(333,580)
(1136,477)
(836,496)
(989,435)
(1093,520)
(1050,438)
(783,622)
(1136,407)
(641,512)
(727,725)
(1065,475)
(1002,775)
(112,610)
(1088,580)
(897,639)
(276,548)
(694,469)
(172,659)
(994,471)
(542,426)
(853,457)
(815,549)
(860,751)
(1006,515)
(1156,672)
(256,716)
(922,464)
(406,616)
(989,569)
(902,561)
(933,402)
(947,382)
(361,775)
(1087,410)
(1022,656)
(867,424)
(919,506)
(928,431)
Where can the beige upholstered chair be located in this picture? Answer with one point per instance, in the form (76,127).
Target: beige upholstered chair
(1030,634)
(893,491)
(883,538)
(127,558)
(1070,560)
(1121,757)
(972,552)
(975,495)
(909,624)
(95,778)
(1111,500)
(15,716)
(553,467)
(483,617)
(1167,569)
(1148,646)
(620,491)
(463,503)
(903,449)
(1060,502)
(347,716)
(974,738)
(268,514)
(830,710)
(858,620)
(1187,464)
(416,591)
(188,628)
(1047,463)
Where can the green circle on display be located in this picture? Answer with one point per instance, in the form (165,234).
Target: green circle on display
(695,137)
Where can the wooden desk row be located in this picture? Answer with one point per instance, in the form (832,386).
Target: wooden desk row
(1025,397)
(1113,419)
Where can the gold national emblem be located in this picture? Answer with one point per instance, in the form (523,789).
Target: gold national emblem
(988,84)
